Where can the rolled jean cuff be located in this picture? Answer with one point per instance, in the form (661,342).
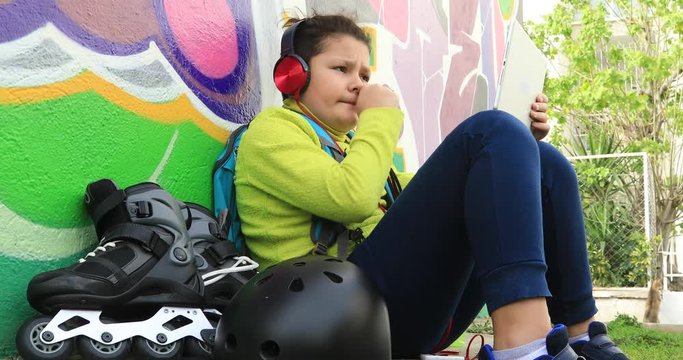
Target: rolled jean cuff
(513,282)
(570,313)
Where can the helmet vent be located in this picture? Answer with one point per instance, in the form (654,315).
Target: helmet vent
(263,281)
(297,285)
(300,263)
(333,260)
(231,342)
(334,277)
(269,350)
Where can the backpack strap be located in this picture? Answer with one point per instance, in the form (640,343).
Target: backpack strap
(326,142)
(325,232)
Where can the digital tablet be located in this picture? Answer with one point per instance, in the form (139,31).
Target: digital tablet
(522,76)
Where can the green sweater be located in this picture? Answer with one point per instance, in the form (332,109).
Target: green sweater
(283,177)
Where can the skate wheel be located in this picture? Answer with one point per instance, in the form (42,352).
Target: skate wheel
(31,346)
(145,349)
(197,349)
(91,349)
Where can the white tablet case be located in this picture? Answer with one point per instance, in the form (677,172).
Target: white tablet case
(522,75)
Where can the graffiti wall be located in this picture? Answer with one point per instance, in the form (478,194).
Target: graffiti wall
(148,90)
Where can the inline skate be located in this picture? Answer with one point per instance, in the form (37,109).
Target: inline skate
(223,269)
(140,289)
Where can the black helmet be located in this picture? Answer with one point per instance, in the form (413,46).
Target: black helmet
(314,307)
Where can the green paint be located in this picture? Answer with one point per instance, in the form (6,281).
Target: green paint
(506,8)
(14,277)
(51,150)
(188,173)
(373,42)
(399,162)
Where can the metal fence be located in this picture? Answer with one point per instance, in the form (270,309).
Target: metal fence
(618,203)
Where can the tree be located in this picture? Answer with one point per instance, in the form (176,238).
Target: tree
(621,74)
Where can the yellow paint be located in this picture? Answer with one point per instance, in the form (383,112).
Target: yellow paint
(372,34)
(508,9)
(172,112)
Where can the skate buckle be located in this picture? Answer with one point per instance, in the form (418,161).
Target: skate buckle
(141,209)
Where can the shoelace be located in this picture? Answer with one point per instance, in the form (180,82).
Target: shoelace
(242,263)
(101,249)
(467,352)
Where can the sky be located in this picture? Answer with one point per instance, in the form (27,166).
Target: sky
(535,9)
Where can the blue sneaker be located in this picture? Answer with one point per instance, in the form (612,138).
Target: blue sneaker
(557,344)
(600,346)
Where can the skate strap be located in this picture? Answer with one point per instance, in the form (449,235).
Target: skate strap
(217,253)
(143,234)
(110,202)
(119,275)
(601,346)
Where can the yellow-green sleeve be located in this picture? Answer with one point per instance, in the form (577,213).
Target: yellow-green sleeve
(282,157)
(404,178)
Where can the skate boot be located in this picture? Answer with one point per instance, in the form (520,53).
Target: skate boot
(222,268)
(139,286)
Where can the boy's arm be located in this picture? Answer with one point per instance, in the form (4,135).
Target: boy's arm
(404,178)
(281,159)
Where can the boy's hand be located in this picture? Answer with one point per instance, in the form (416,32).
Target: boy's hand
(539,118)
(374,96)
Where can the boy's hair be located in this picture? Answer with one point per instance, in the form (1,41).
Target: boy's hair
(312,33)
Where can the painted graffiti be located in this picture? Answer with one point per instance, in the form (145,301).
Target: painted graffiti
(450,58)
(208,44)
(142,90)
(148,90)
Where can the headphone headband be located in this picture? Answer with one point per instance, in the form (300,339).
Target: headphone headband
(287,42)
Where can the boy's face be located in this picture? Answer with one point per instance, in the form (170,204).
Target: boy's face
(337,75)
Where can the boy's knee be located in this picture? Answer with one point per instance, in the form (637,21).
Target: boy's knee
(498,122)
(552,160)
(497,118)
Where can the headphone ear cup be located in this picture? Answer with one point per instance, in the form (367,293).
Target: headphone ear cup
(291,74)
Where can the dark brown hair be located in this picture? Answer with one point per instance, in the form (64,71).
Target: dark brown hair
(311,35)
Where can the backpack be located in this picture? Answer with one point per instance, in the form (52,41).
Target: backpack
(224,198)
(324,232)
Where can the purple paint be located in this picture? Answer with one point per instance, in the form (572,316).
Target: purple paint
(487,45)
(235,96)
(236,84)
(422,98)
(232,83)
(25,16)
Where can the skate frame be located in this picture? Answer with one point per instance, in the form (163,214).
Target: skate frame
(155,329)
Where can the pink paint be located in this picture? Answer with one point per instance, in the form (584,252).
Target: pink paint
(206,34)
(418,67)
(499,38)
(394,16)
(463,15)
(458,99)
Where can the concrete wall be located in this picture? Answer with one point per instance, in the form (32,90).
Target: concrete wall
(614,301)
(148,90)
(671,311)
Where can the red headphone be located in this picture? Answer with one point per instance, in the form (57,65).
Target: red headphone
(291,73)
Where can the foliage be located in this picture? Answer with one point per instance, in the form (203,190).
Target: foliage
(640,343)
(481,326)
(612,192)
(618,88)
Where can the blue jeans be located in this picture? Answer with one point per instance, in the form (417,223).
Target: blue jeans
(493,216)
